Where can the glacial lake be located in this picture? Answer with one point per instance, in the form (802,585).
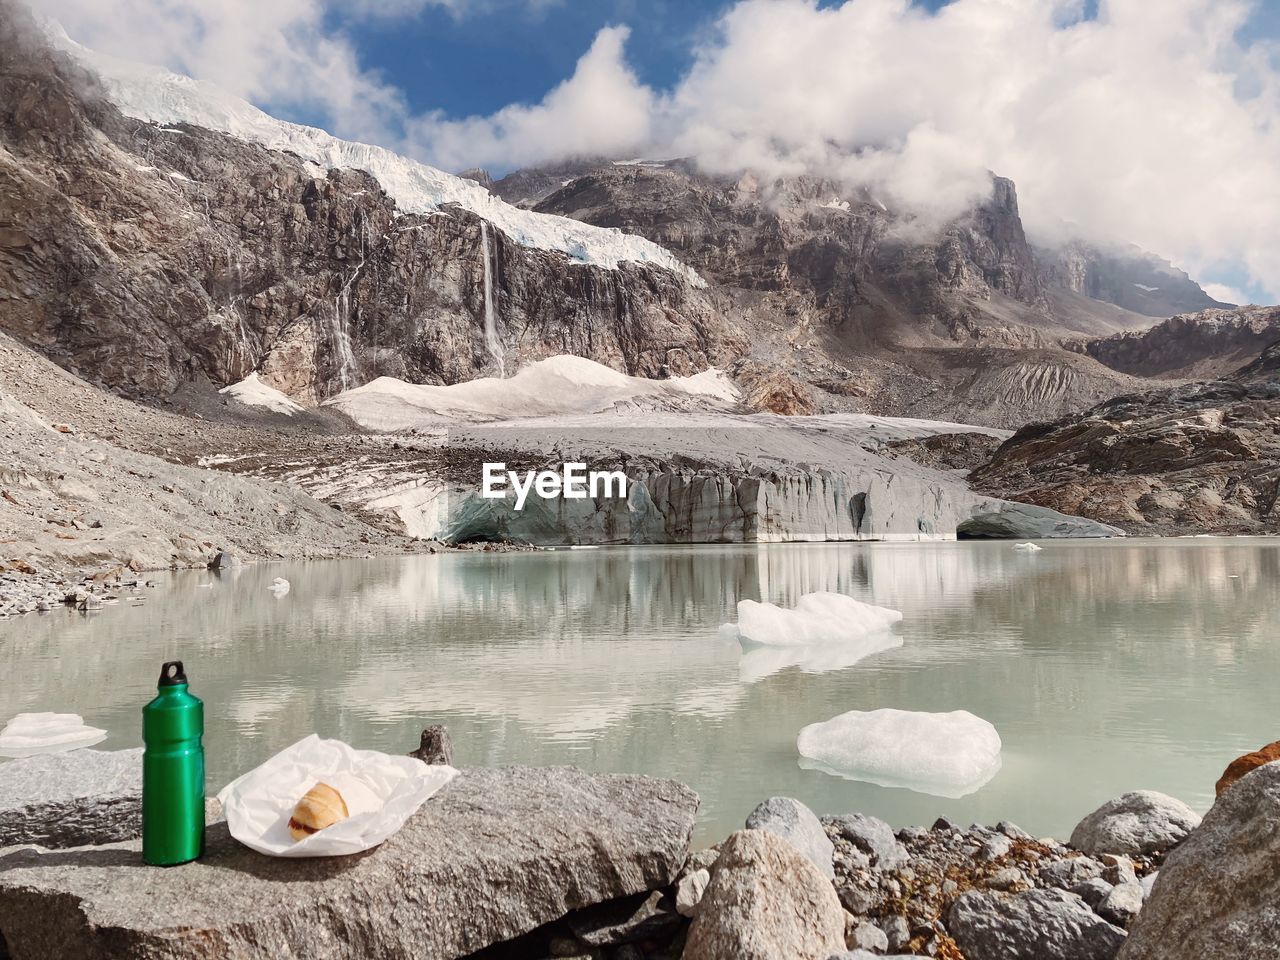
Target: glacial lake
(1105,666)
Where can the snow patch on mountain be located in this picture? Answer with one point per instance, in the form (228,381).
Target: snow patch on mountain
(557,386)
(158,96)
(252,391)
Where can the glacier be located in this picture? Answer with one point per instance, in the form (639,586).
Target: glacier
(155,95)
(943,754)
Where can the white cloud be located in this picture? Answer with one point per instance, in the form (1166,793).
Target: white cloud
(1151,123)
(1225,294)
(601,109)
(278,53)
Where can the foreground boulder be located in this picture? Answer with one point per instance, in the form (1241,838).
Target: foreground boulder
(495,854)
(1035,925)
(1247,764)
(1136,823)
(766,901)
(71,799)
(1218,895)
(799,826)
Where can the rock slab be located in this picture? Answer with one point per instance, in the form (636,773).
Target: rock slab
(495,854)
(766,901)
(1140,822)
(1035,925)
(1217,896)
(71,799)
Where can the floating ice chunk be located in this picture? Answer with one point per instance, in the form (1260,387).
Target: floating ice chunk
(280,586)
(29,734)
(816,618)
(943,754)
(1028,547)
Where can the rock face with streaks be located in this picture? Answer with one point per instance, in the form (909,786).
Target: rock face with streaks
(1198,346)
(1197,458)
(146,257)
(495,854)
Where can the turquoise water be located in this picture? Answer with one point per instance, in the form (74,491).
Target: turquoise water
(1105,666)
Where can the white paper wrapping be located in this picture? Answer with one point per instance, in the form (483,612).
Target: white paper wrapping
(381,792)
(29,734)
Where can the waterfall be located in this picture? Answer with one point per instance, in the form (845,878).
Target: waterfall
(490,323)
(348,368)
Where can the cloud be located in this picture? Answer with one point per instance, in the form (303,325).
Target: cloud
(1225,294)
(601,109)
(1157,124)
(279,53)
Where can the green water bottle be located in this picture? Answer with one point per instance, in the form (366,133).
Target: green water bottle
(172,772)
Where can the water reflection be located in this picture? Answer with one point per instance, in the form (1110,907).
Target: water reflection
(1104,666)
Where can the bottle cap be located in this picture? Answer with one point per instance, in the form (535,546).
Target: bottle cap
(172,674)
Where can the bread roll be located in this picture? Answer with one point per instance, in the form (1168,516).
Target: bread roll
(321,807)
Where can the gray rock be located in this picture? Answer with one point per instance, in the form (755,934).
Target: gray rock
(71,799)
(866,955)
(496,854)
(1034,925)
(650,916)
(873,837)
(1118,869)
(436,746)
(797,824)
(700,860)
(896,930)
(1148,882)
(224,561)
(1012,830)
(766,901)
(1136,823)
(995,848)
(689,891)
(1121,904)
(858,900)
(1006,879)
(1005,520)
(866,936)
(1066,873)
(1218,896)
(1092,892)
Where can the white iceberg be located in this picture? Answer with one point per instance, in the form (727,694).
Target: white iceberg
(280,586)
(29,734)
(1028,547)
(824,631)
(817,618)
(943,754)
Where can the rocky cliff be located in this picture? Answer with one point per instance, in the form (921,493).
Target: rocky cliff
(147,256)
(1199,458)
(846,297)
(1193,346)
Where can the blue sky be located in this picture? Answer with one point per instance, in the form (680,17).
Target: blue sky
(508,51)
